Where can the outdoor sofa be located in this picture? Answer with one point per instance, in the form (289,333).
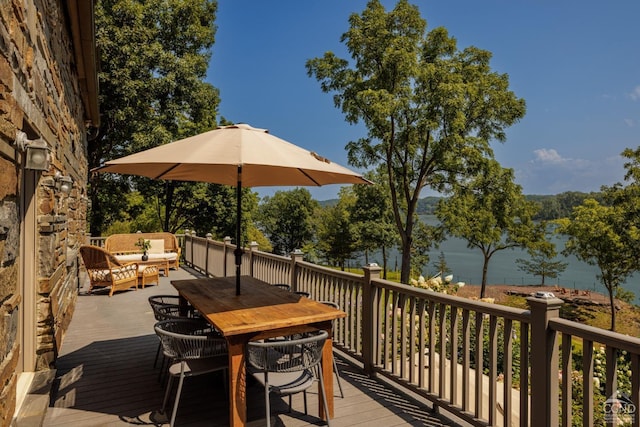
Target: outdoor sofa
(164,245)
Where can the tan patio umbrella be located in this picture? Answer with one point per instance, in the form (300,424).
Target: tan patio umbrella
(237,155)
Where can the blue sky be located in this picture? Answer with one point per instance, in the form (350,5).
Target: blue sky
(576,64)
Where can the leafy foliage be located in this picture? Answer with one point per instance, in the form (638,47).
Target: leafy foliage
(286,219)
(372,216)
(491,214)
(542,260)
(337,233)
(597,237)
(541,265)
(607,234)
(154,56)
(430,109)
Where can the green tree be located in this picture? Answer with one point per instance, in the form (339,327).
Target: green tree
(154,56)
(441,266)
(549,208)
(372,216)
(542,263)
(430,109)
(491,214)
(607,234)
(286,219)
(597,236)
(627,198)
(337,233)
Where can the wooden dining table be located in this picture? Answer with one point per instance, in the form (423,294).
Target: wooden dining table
(261,311)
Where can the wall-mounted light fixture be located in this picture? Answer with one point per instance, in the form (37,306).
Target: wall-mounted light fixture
(36,152)
(64,183)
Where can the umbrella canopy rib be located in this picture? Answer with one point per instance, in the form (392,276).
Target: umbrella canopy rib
(310,177)
(166,172)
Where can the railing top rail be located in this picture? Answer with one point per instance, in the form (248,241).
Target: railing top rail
(517,314)
(271,256)
(331,271)
(591,333)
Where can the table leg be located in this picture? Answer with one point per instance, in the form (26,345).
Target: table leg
(183,306)
(327,378)
(237,381)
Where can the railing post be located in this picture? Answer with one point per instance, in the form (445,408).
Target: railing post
(253,247)
(185,253)
(206,254)
(227,243)
(544,360)
(296,256)
(193,234)
(371,271)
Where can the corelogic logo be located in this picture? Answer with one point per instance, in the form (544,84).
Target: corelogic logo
(619,409)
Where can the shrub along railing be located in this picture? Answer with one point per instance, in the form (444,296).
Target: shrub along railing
(484,363)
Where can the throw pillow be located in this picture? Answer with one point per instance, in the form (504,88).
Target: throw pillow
(157,246)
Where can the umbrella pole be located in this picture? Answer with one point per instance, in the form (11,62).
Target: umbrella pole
(238,251)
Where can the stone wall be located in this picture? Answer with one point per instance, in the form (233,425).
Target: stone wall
(40,95)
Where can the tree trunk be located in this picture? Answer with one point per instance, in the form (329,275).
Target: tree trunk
(485,268)
(406,237)
(97,216)
(384,263)
(612,302)
(405,268)
(168,204)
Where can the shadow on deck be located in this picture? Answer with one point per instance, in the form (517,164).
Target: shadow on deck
(106,377)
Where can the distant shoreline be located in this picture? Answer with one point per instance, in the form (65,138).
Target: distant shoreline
(502,292)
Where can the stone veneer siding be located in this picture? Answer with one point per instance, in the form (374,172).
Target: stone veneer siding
(39,94)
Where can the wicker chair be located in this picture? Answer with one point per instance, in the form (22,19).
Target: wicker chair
(105,270)
(167,307)
(286,366)
(282,286)
(156,301)
(193,352)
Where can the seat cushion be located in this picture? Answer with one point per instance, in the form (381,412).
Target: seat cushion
(286,382)
(171,256)
(147,270)
(113,275)
(195,367)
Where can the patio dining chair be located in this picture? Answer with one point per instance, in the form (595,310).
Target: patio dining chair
(286,366)
(172,301)
(193,352)
(164,300)
(283,286)
(166,307)
(174,312)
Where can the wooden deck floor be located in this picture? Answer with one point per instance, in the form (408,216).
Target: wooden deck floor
(106,378)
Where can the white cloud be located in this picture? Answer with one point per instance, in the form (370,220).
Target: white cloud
(635,93)
(549,156)
(630,122)
(551,173)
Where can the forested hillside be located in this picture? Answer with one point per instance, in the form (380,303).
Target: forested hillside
(551,206)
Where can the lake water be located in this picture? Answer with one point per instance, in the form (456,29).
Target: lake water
(466,266)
